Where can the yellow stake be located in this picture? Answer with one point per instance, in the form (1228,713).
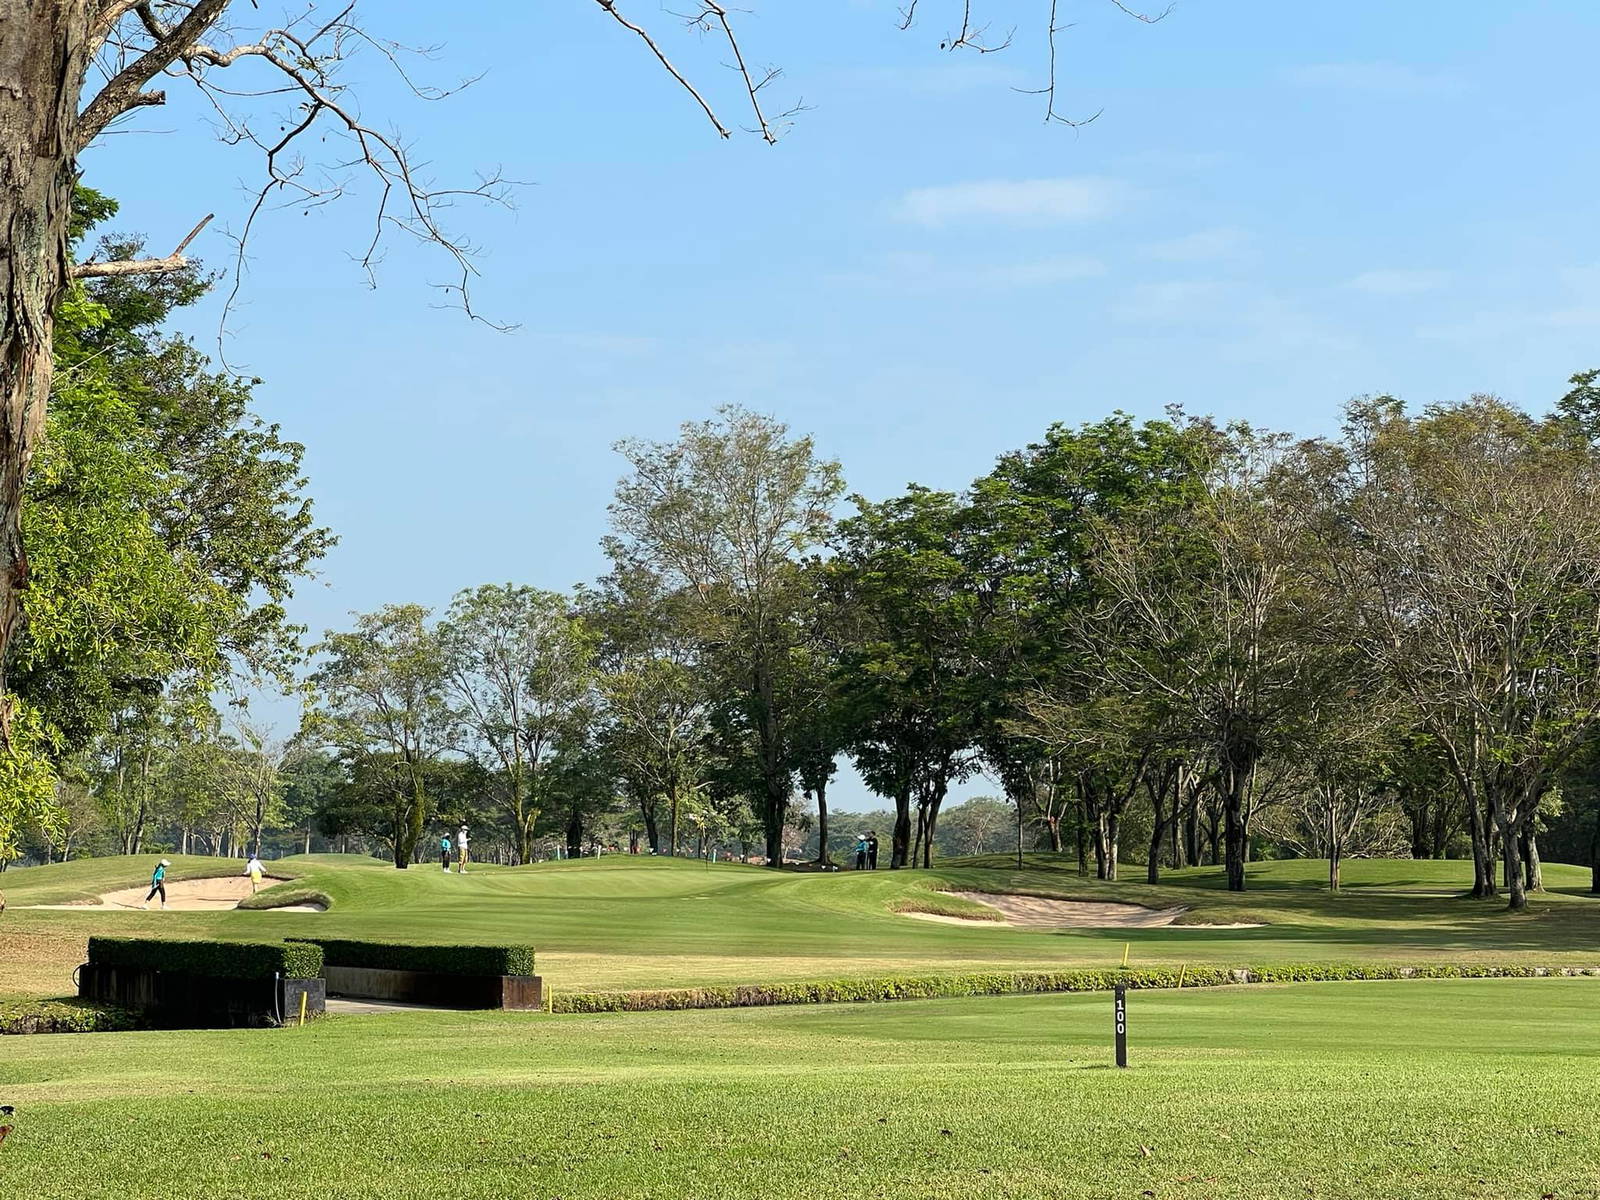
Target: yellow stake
(1181,973)
(1125,946)
(302,1008)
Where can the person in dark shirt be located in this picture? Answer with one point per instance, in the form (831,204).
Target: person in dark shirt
(872,850)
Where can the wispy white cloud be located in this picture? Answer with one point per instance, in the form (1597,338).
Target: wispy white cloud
(1202,246)
(1018,201)
(930,272)
(1241,322)
(1574,306)
(1398,282)
(1172,301)
(1386,78)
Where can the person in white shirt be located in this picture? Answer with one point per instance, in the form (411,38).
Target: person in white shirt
(461,851)
(255,870)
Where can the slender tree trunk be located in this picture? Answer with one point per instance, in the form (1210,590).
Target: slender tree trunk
(1511,846)
(672,819)
(933,806)
(1533,869)
(776,781)
(1111,836)
(1483,885)
(1594,854)
(1594,851)
(1052,828)
(1082,836)
(820,791)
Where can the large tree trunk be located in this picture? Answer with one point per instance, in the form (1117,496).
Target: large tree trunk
(1238,761)
(900,851)
(44,48)
(575,833)
(651,832)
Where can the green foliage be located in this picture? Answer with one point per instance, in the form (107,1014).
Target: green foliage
(64,1016)
(228,960)
(381,706)
(438,959)
(27,778)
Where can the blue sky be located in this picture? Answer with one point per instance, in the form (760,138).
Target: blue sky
(1273,213)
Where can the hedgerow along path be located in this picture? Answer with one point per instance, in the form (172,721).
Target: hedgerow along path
(628,923)
(1336,1091)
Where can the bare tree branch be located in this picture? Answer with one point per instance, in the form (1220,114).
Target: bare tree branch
(142,266)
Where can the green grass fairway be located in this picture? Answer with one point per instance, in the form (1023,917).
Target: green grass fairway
(1362,1090)
(641,922)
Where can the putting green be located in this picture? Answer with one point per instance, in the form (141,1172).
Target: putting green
(1407,1090)
(640,922)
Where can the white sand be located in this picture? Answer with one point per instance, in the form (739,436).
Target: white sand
(189,895)
(1037,912)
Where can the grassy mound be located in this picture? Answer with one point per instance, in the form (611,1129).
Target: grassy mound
(627,923)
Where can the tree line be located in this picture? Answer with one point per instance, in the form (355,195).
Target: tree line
(1199,642)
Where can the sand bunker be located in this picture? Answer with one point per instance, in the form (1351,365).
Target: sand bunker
(190,895)
(1037,912)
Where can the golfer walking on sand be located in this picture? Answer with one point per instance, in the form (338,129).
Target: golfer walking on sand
(158,883)
(255,870)
(461,850)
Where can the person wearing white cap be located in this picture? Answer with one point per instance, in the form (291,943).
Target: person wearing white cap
(158,883)
(461,851)
(255,870)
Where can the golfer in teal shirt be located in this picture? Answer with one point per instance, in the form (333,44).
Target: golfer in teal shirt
(158,883)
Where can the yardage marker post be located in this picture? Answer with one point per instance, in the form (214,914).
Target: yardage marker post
(1121,994)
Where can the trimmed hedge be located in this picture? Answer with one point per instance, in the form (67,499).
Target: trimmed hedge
(434,959)
(64,1016)
(997,983)
(227,960)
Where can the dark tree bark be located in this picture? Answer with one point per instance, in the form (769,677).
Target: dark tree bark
(900,851)
(575,833)
(44,51)
(1239,754)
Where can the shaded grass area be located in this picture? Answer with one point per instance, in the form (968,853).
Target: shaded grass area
(623,923)
(1328,1090)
